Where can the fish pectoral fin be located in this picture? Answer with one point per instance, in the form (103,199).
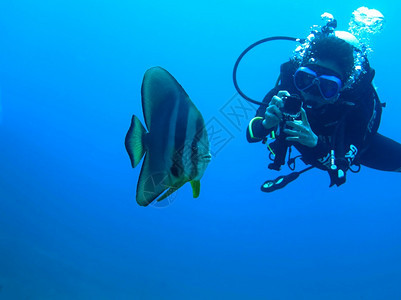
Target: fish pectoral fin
(170,191)
(195,188)
(134,141)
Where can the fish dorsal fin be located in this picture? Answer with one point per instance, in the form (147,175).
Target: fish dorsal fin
(159,91)
(195,188)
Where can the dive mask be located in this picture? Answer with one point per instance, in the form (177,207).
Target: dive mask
(306,80)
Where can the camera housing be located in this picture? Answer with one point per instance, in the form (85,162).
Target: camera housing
(292,107)
(291,111)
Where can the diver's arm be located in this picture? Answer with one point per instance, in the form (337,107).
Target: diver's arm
(259,127)
(256,132)
(266,119)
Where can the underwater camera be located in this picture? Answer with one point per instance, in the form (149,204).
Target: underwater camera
(292,107)
(291,111)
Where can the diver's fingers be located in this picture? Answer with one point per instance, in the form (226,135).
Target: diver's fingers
(272,117)
(292,138)
(304,118)
(281,94)
(292,133)
(277,101)
(297,126)
(305,138)
(274,110)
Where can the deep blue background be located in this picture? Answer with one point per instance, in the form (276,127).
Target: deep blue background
(70,76)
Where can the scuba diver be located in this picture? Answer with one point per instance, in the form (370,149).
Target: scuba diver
(325,105)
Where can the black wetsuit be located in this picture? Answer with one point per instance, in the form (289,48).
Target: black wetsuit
(349,127)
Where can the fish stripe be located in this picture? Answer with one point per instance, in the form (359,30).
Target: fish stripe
(180,138)
(158,137)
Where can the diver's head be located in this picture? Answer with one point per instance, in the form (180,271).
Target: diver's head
(340,51)
(336,51)
(327,67)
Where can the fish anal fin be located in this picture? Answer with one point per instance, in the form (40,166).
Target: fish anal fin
(151,183)
(172,190)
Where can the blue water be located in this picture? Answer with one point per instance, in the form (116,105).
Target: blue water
(70,77)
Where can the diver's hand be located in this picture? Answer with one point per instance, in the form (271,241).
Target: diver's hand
(301,131)
(273,113)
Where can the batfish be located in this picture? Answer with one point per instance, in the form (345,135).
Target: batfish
(175,144)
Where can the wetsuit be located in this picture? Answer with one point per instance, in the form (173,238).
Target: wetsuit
(346,129)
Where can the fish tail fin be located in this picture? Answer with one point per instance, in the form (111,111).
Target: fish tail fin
(134,141)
